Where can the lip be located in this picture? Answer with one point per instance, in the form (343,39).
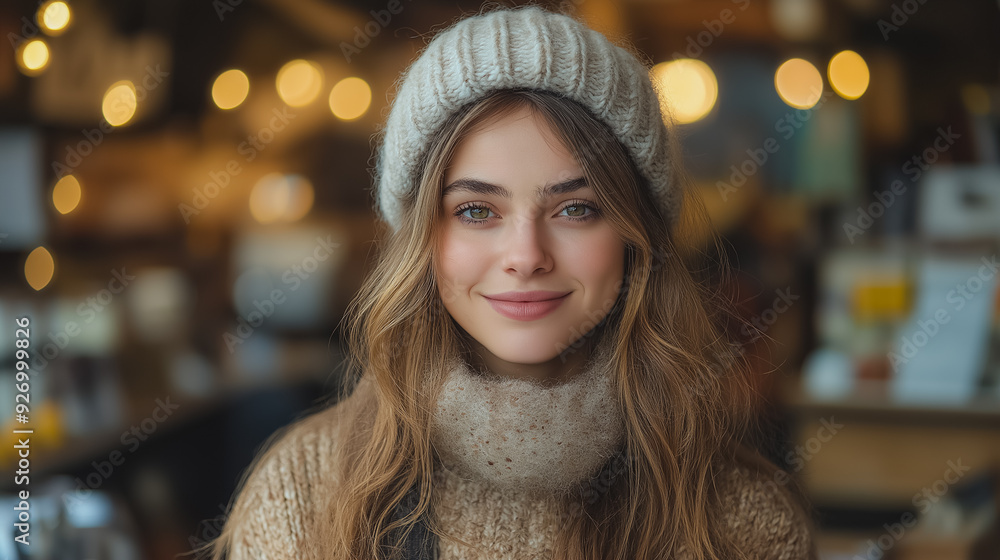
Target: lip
(526,306)
(534,295)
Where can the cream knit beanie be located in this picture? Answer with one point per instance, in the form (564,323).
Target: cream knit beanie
(525,47)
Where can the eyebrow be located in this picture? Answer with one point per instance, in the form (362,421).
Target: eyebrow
(482,187)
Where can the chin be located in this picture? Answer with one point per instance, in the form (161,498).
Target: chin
(535,353)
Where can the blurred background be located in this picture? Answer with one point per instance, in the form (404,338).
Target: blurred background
(185,214)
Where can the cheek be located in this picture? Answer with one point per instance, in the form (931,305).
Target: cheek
(459,260)
(601,261)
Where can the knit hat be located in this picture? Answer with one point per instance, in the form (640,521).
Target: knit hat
(514,48)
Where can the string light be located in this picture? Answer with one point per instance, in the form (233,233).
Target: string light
(33,57)
(689,88)
(798,83)
(54,17)
(119,103)
(39,268)
(350,98)
(230,89)
(299,82)
(66,194)
(848,74)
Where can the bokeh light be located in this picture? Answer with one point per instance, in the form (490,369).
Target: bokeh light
(39,268)
(299,82)
(350,98)
(230,89)
(33,57)
(848,74)
(119,103)
(799,83)
(689,87)
(66,194)
(54,17)
(281,198)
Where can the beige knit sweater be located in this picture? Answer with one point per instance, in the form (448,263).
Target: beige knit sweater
(496,517)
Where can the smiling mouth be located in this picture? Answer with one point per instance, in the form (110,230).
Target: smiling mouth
(526,310)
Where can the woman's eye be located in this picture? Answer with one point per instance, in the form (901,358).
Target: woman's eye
(473,214)
(479,212)
(580,211)
(576,211)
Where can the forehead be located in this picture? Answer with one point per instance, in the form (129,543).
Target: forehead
(519,148)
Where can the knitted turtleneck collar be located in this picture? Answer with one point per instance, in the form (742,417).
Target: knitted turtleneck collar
(520,435)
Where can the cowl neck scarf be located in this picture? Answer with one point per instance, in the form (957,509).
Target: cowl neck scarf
(521,435)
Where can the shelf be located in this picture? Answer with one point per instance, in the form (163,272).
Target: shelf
(79,450)
(870,402)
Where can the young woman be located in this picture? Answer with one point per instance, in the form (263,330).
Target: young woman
(536,373)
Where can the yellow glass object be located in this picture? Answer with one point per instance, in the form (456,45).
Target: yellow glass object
(887,299)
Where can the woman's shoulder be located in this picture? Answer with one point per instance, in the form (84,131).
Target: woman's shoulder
(294,475)
(765,510)
(307,448)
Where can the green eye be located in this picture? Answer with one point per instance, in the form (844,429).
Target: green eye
(473,213)
(578,211)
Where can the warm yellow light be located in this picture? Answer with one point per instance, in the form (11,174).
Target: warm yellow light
(276,197)
(119,103)
(33,57)
(799,83)
(66,194)
(976,99)
(848,74)
(688,89)
(350,98)
(299,82)
(54,17)
(39,268)
(230,89)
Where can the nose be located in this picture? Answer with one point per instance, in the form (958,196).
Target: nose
(525,247)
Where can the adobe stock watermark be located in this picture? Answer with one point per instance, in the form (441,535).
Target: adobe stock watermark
(786,126)
(132,439)
(923,501)
(209,530)
(695,45)
(87,312)
(29,30)
(914,168)
(292,278)
(363,36)
(225,7)
(93,137)
(782,303)
(801,454)
(929,327)
(901,14)
(249,148)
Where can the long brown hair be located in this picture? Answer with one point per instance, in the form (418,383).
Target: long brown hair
(682,385)
(682,388)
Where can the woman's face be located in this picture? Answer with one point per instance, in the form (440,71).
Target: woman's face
(519,217)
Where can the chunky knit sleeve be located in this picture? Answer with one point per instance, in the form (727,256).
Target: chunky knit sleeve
(270,512)
(274,513)
(766,518)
